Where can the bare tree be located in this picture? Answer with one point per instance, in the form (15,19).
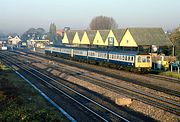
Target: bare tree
(175,38)
(103,22)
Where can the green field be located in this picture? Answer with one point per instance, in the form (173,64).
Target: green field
(20,102)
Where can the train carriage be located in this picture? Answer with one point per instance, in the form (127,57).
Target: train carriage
(119,59)
(80,54)
(59,51)
(66,52)
(123,59)
(98,55)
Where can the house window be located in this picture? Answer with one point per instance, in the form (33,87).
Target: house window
(127,41)
(110,41)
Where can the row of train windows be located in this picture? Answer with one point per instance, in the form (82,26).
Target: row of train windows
(144,59)
(79,52)
(91,53)
(121,57)
(104,55)
(65,51)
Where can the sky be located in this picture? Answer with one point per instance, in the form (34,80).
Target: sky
(20,15)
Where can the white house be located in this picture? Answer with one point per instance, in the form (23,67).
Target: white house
(37,43)
(14,41)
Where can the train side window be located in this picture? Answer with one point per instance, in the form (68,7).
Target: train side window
(125,58)
(139,59)
(132,58)
(115,56)
(148,59)
(129,58)
(119,57)
(106,55)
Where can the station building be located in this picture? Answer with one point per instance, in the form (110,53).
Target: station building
(135,39)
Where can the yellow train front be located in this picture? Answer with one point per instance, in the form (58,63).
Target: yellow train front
(143,62)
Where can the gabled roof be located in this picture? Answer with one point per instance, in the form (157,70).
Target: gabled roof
(118,33)
(104,34)
(91,35)
(70,36)
(150,36)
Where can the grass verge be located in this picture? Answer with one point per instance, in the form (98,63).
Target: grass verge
(20,102)
(171,74)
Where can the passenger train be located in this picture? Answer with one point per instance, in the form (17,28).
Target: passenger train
(118,58)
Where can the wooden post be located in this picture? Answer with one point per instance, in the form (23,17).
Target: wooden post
(171,67)
(173,51)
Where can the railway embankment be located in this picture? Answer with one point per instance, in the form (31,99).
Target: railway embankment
(20,102)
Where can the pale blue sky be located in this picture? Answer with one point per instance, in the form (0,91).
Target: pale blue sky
(20,15)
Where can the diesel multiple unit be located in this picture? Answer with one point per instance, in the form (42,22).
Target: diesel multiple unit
(115,57)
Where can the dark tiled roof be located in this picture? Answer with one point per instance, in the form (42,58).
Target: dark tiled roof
(91,35)
(150,36)
(80,34)
(70,36)
(119,33)
(104,34)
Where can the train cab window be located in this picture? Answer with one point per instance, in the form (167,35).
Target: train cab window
(148,59)
(143,59)
(139,59)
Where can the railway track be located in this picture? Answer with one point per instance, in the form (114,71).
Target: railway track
(101,112)
(162,103)
(106,72)
(167,105)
